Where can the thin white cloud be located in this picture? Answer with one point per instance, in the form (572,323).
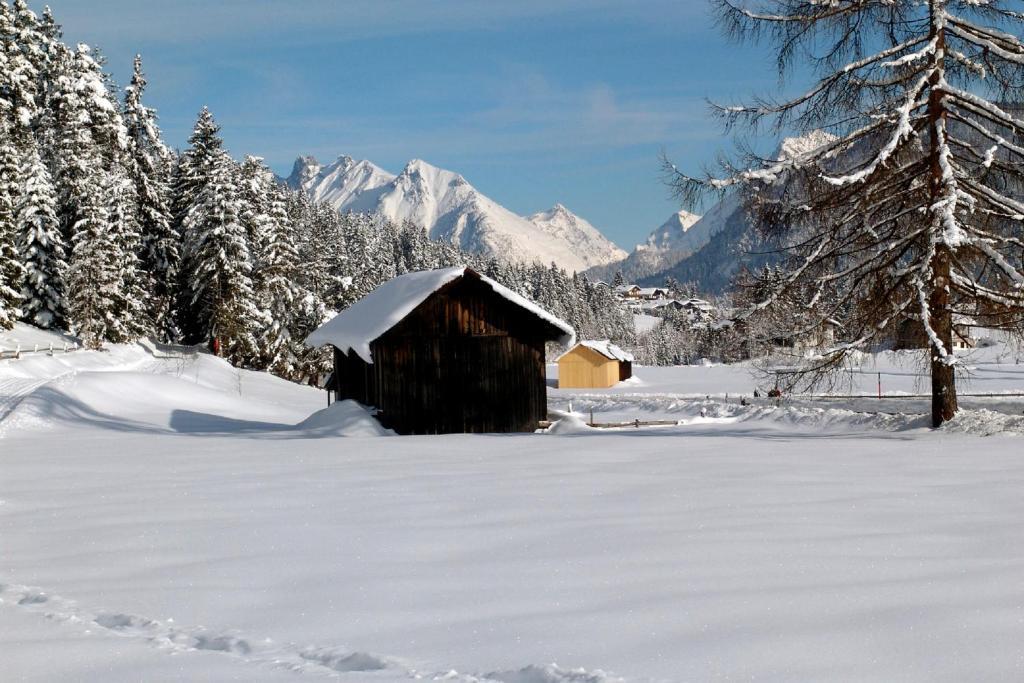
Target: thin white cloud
(111,23)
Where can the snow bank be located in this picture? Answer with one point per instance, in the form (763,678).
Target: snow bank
(343,418)
(568,423)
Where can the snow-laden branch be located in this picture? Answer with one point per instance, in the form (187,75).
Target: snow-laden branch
(826,83)
(902,131)
(1002,45)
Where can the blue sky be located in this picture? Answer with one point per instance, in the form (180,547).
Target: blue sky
(533,101)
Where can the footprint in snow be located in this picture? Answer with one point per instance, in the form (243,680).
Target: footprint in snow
(122,622)
(33,599)
(344,661)
(221,644)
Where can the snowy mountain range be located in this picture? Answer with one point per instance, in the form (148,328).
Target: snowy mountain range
(451,209)
(708,250)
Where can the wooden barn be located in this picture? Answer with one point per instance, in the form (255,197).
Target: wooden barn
(444,351)
(594,365)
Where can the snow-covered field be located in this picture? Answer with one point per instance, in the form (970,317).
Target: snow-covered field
(170,518)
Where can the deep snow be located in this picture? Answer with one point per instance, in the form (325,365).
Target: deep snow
(175,519)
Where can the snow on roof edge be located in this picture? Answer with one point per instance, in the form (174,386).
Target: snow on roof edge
(356,327)
(603,347)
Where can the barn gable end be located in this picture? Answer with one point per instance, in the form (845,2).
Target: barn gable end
(468,357)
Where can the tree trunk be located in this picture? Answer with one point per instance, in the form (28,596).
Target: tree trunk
(944,402)
(940,315)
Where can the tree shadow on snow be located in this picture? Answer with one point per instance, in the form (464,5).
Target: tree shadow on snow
(48,404)
(192,422)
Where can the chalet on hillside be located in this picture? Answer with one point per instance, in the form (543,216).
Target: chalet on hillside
(653,293)
(444,351)
(594,365)
(628,291)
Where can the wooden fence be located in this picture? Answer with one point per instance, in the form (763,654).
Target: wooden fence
(48,349)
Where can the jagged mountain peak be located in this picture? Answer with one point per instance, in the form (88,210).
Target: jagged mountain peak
(450,208)
(673,233)
(304,169)
(801,144)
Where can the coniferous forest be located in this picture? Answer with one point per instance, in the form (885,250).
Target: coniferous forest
(108,232)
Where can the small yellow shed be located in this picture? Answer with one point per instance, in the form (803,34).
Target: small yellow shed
(594,365)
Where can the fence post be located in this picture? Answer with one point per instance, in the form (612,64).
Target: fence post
(879,386)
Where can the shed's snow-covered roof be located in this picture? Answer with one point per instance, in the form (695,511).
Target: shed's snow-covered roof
(606,349)
(360,324)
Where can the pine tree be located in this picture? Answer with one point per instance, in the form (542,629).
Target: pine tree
(94,270)
(12,271)
(909,207)
(275,264)
(95,204)
(24,56)
(130,300)
(42,247)
(221,297)
(191,175)
(89,136)
(280,293)
(148,162)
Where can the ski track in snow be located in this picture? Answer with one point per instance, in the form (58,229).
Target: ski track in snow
(335,662)
(14,390)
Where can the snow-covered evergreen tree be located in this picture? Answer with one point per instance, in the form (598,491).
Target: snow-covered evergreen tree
(280,294)
(41,246)
(22,46)
(89,136)
(94,278)
(148,163)
(191,175)
(275,259)
(222,305)
(12,271)
(131,298)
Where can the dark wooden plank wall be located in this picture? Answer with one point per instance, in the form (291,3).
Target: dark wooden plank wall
(352,378)
(625,369)
(465,361)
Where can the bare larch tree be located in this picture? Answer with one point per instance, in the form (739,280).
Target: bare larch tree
(908,205)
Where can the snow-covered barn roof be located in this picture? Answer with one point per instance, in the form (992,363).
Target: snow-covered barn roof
(606,349)
(360,324)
